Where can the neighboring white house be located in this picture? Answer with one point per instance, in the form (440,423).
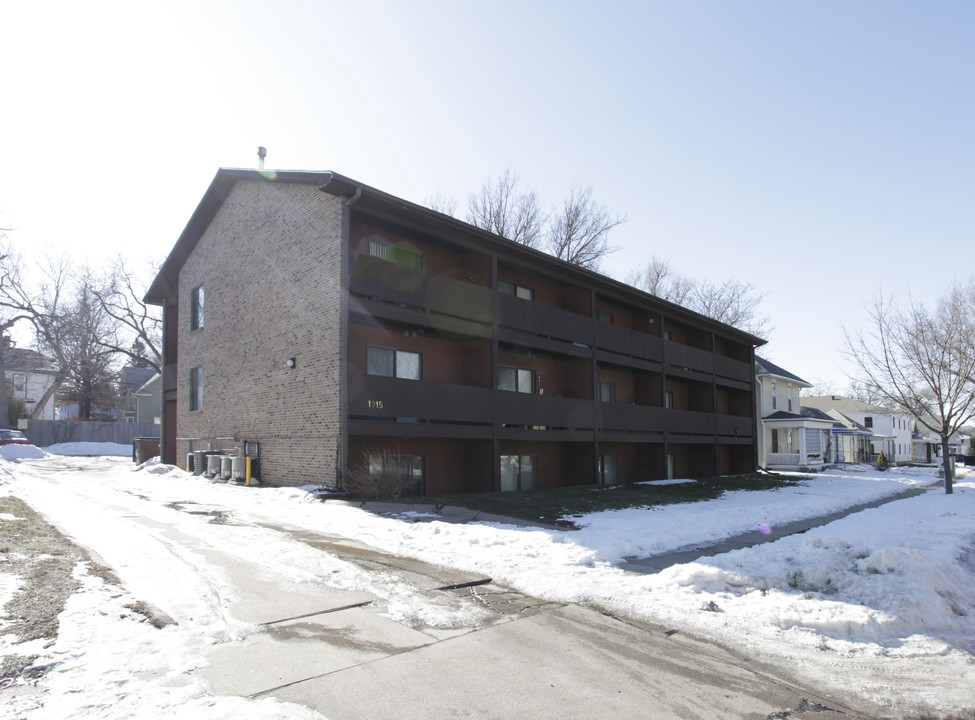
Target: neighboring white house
(29,375)
(892,431)
(787,439)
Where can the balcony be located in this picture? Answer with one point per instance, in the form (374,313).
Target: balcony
(685,356)
(734,369)
(539,319)
(374,277)
(628,342)
(377,396)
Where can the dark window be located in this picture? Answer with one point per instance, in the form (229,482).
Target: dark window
(196,389)
(521,291)
(607,392)
(607,469)
(398,254)
(775,441)
(389,362)
(519,472)
(669,399)
(196,314)
(516,379)
(868,422)
(604,316)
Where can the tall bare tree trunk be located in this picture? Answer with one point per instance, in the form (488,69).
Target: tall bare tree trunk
(949,470)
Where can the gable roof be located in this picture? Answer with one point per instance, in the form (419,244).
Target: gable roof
(24,360)
(132,378)
(764,367)
(845,405)
(376,202)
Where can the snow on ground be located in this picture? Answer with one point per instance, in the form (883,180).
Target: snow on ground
(879,605)
(91,449)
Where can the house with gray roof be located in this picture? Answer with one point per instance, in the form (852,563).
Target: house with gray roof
(891,430)
(30,376)
(788,439)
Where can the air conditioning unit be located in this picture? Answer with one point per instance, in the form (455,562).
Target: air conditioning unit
(198,456)
(226,464)
(213,466)
(238,469)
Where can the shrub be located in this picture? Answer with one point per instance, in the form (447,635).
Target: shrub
(882,463)
(383,474)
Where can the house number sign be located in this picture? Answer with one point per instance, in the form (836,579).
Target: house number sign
(378,404)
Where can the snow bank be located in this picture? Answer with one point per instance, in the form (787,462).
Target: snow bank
(17,452)
(90,449)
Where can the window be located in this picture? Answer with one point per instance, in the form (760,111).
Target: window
(668,335)
(405,475)
(516,379)
(398,254)
(868,422)
(775,401)
(389,362)
(520,291)
(669,399)
(196,389)
(196,312)
(20,384)
(519,472)
(671,466)
(607,470)
(604,316)
(788,390)
(775,441)
(607,392)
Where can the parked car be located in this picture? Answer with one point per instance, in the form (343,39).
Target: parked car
(13,437)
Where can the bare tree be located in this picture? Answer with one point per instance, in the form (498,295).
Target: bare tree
(135,329)
(659,278)
(91,379)
(442,204)
(732,301)
(921,361)
(578,232)
(10,272)
(43,306)
(502,208)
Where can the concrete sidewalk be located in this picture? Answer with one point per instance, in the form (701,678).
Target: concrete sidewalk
(346,654)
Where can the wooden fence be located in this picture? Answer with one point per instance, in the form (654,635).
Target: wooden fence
(51,432)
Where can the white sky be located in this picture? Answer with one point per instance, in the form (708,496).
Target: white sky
(820,151)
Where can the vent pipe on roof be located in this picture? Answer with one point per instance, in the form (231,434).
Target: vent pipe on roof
(261,154)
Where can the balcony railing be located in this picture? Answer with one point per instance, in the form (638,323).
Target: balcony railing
(628,342)
(685,356)
(735,369)
(540,319)
(437,293)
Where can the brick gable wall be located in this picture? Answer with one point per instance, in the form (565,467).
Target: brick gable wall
(271,266)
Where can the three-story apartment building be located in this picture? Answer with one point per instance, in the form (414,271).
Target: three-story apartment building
(329,322)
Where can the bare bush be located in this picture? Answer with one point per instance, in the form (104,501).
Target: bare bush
(382,474)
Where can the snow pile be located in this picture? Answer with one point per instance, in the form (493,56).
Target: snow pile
(91,449)
(18,451)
